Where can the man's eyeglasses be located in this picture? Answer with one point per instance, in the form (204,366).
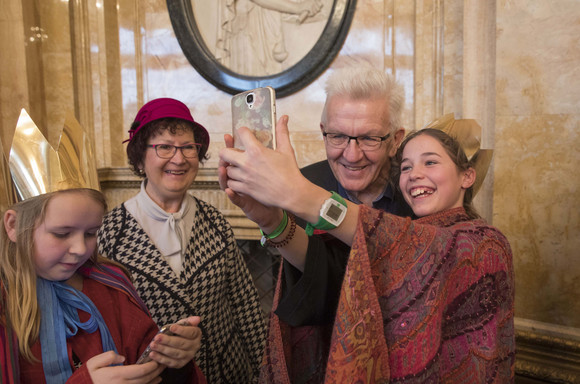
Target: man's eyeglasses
(366,143)
(167,151)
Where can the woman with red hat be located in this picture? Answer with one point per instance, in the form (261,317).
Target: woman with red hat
(181,250)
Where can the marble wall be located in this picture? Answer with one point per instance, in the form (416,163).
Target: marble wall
(536,195)
(511,64)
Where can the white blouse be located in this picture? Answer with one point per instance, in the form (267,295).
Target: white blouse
(169,231)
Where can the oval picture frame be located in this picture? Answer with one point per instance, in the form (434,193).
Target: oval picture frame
(287,82)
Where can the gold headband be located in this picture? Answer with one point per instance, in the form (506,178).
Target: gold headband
(37,168)
(468,133)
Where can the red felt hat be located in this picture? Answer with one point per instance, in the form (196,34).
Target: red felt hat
(167,107)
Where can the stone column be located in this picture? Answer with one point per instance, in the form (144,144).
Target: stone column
(479,41)
(13,77)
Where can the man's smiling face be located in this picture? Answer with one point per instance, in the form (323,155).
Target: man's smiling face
(363,173)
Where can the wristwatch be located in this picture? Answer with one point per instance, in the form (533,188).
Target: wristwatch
(332,213)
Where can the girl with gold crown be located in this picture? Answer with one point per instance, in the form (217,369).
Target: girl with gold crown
(67,315)
(425,300)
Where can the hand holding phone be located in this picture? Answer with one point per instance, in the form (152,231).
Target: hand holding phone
(145,355)
(180,347)
(255,109)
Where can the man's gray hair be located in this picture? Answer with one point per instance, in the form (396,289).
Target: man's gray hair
(363,82)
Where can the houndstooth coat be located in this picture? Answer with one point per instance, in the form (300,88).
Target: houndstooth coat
(214,284)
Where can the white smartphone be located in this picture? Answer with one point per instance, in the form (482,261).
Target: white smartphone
(144,358)
(255,109)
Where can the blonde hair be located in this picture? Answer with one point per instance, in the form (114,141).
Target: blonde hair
(17,270)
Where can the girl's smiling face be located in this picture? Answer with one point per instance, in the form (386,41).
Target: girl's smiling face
(430,181)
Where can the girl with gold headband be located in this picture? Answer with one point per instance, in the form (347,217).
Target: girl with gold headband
(426,300)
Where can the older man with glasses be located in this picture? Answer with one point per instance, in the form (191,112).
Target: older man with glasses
(361,127)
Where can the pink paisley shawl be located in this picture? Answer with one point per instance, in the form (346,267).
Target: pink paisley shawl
(424,301)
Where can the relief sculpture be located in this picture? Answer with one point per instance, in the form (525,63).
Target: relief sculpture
(243,44)
(254,36)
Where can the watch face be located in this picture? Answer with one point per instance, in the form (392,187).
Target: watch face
(334,212)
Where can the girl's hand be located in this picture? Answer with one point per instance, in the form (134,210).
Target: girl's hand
(102,370)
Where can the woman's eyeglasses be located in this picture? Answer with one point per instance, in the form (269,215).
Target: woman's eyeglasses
(167,151)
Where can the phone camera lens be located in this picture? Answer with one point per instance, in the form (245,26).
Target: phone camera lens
(250,98)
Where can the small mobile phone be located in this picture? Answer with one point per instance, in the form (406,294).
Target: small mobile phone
(255,109)
(145,355)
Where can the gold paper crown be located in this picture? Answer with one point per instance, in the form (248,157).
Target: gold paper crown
(468,133)
(37,168)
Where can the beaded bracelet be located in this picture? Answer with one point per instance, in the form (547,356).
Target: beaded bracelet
(289,236)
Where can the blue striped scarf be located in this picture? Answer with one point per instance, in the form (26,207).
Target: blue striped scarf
(59,304)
